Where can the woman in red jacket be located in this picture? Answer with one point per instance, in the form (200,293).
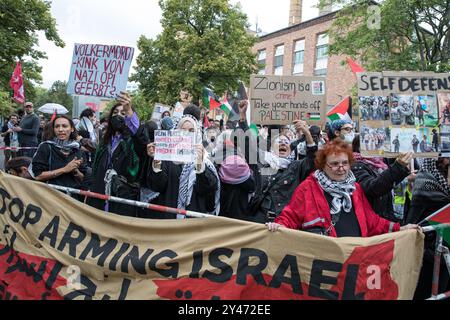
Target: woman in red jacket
(331,202)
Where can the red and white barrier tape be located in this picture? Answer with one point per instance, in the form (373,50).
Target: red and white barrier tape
(18,148)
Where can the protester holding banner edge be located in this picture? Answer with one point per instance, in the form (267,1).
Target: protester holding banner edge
(330,202)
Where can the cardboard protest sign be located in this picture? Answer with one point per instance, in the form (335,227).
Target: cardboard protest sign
(54,247)
(174,145)
(399,112)
(283,99)
(99,70)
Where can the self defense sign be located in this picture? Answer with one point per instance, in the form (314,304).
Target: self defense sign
(54,247)
(99,70)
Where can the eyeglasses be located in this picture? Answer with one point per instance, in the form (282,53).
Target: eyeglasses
(336,165)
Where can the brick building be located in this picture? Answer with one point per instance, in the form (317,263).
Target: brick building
(302,49)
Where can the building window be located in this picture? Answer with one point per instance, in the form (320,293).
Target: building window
(278,63)
(262,61)
(321,55)
(299,57)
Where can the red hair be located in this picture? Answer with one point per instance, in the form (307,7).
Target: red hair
(336,146)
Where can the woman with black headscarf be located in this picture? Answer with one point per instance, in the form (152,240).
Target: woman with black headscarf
(116,163)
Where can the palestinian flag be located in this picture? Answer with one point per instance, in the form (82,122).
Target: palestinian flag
(226,107)
(340,111)
(313,116)
(209,99)
(441,217)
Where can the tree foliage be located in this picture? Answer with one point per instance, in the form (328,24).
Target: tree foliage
(5,104)
(405,35)
(56,94)
(20,22)
(203,43)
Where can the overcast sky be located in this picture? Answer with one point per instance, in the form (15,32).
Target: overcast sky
(117,22)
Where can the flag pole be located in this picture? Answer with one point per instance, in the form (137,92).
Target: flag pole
(135,203)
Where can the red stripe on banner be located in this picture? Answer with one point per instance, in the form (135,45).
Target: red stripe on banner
(27,277)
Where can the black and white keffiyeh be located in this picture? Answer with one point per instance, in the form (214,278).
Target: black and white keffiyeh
(188,178)
(340,190)
(429,165)
(64,145)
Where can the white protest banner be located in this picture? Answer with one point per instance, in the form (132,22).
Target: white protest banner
(174,145)
(284,99)
(99,70)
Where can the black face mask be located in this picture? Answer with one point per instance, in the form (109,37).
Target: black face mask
(117,123)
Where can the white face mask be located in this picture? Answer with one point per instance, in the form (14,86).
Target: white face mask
(348,138)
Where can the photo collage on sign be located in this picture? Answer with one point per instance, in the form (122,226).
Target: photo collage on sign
(374,118)
(444,117)
(401,123)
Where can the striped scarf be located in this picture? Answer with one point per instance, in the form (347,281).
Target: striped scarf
(188,178)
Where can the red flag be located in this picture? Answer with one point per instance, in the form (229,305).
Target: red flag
(354,66)
(92,106)
(53,116)
(16,83)
(206,123)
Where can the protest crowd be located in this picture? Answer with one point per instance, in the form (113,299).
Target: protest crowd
(294,176)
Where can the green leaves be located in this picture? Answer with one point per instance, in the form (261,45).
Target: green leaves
(203,43)
(412,34)
(56,94)
(20,20)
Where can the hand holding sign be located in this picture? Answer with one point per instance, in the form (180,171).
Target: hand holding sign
(404,159)
(200,152)
(125,100)
(302,127)
(151,150)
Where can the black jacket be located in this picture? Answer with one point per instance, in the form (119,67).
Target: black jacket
(427,197)
(126,163)
(234,199)
(48,158)
(378,187)
(167,183)
(274,192)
